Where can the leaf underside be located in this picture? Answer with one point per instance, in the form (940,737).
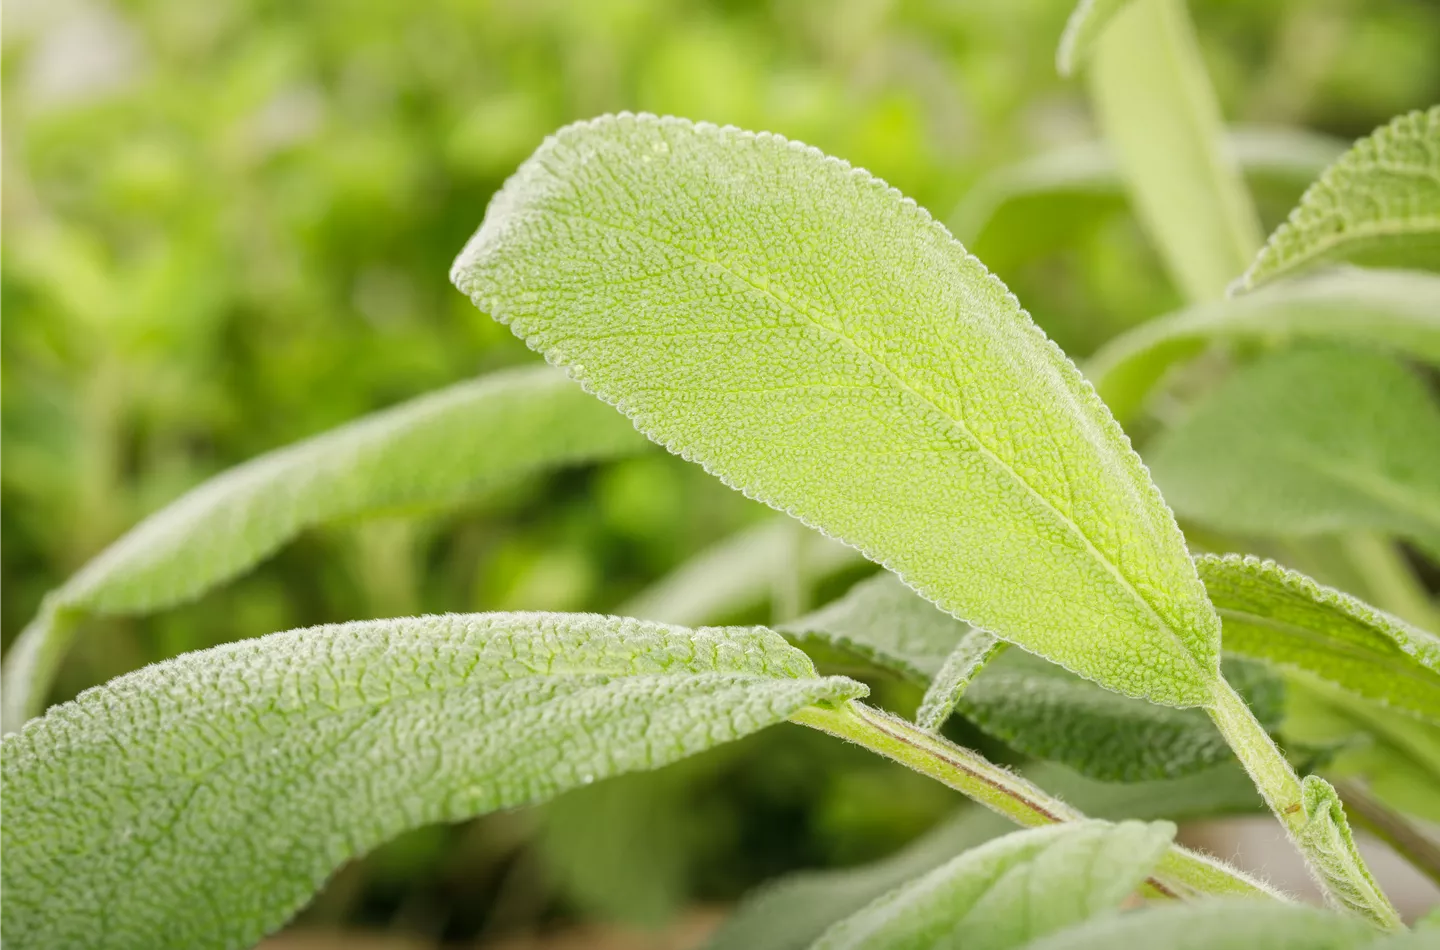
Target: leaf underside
(199,802)
(816,340)
(432,451)
(1379,204)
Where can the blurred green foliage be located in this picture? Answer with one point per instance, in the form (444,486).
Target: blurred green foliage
(229,225)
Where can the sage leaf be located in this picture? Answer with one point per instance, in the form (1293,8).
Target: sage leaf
(1397,311)
(1154,103)
(790,913)
(985,899)
(975,650)
(805,333)
(1223,925)
(434,450)
(1086,24)
(1379,204)
(199,802)
(1330,848)
(1285,618)
(1309,441)
(1033,706)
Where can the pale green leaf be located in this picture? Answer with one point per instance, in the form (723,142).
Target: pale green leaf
(1379,204)
(199,802)
(976,649)
(1086,24)
(1395,310)
(1154,103)
(1221,925)
(1285,618)
(738,572)
(1034,706)
(790,913)
(1010,891)
(818,341)
(1329,848)
(1309,441)
(433,450)
(1034,206)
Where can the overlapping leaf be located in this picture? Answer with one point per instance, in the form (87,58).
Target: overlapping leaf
(431,451)
(985,899)
(1309,441)
(199,802)
(1395,310)
(1285,618)
(1379,204)
(807,334)
(1224,925)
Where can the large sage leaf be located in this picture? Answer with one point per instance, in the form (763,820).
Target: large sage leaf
(818,341)
(1309,441)
(1010,891)
(434,450)
(199,802)
(1395,310)
(1034,706)
(1378,204)
(1224,925)
(1285,618)
(1154,103)
(790,913)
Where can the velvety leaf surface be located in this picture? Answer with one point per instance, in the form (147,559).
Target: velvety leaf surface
(1283,617)
(201,801)
(431,451)
(1378,204)
(1010,891)
(1398,311)
(976,649)
(1222,925)
(818,341)
(1309,441)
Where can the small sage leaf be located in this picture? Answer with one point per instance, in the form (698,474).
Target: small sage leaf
(1285,618)
(1379,204)
(1326,840)
(1010,891)
(975,650)
(810,336)
(1309,441)
(434,450)
(200,802)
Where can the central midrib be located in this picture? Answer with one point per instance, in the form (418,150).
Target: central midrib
(1074,527)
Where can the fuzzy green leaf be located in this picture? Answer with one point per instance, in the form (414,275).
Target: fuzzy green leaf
(1154,103)
(986,898)
(975,650)
(199,802)
(810,336)
(1285,618)
(434,450)
(1034,706)
(1222,925)
(1329,847)
(1379,204)
(1395,310)
(792,912)
(1086,24)
(1309,441)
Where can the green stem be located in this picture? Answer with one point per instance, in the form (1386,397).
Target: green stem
(1310,811)
(1181,873)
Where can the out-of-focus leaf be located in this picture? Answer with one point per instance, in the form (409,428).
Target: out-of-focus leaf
(793,911)
(1154,103)
(1285,618)
(738,572)
(1309,441)
(1086,24)
(1223,925)
(1379,204)
(1395,310)
(986,898)
(819,342)
(434,450)
(1034,706)
(199,802)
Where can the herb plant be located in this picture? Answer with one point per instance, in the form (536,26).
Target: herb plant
(819,342)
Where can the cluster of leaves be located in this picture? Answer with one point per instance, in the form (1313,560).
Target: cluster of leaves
(805,333)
